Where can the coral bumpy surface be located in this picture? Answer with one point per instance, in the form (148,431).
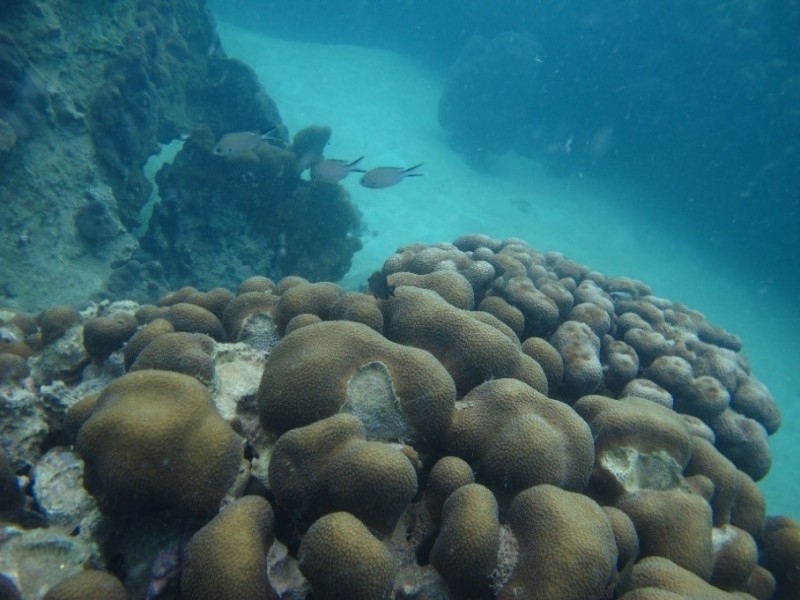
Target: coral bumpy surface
(497,422)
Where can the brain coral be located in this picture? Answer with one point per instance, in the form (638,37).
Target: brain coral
(88,584)
(215,300)
(12,367)
(658,578)
(736,500)
(314,298)
(744,441)
(143,337)
(508,314)
(360,308)
(450,285)
(399,392)
(447,475)
(554,528)
(301,320)
(540,311)
(752,399)
(735,558)
(180,351)
(54,322)
(782,555)
(638,444)
(344,561)
(620,364)
(515,437)
(673,524)
(465,551)
(256,283)
(104,335)
(550,360)
(195,319)
(472,348)
(155,440)
(330,466)
(579,348)
(247,307)
(227,558)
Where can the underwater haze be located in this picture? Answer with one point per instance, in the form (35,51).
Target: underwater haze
(399,299)
(697,103)
(655,141)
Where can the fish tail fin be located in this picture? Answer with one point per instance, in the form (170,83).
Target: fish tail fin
(408,172)
(269,136)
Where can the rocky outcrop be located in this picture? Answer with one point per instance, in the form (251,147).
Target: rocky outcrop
(88,92)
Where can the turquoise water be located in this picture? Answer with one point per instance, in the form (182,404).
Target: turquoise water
(383,105)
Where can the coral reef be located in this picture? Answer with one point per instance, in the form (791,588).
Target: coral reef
(423,319)
(464,437)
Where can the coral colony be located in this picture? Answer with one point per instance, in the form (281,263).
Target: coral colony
(491,410)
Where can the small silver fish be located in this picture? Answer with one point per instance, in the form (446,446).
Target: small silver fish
(332,170)
(237,142)
(382,177)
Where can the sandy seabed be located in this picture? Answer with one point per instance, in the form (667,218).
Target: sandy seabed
(383,106)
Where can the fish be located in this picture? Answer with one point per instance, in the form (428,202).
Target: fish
(379,285)
(238,142)
(332,170)
(382,177)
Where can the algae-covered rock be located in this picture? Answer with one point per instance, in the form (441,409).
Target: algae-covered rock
(39,559)
(299,227)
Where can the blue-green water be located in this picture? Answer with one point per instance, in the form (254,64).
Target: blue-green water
(698,101)
(657,142)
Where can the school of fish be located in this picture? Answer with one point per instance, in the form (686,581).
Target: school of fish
(329,170)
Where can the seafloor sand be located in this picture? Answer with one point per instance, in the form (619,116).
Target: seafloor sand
(383,106)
